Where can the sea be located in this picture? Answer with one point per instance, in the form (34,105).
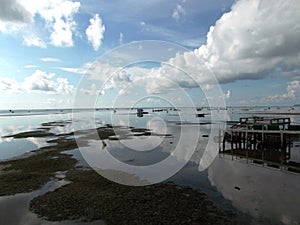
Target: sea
(262,194)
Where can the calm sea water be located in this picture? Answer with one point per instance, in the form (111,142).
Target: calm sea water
(269,196)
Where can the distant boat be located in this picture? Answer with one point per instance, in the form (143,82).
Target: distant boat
(157,110)
(200,115)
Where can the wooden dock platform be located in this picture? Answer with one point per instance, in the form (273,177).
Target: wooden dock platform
(266,141)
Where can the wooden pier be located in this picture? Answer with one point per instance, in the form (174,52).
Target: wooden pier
(265,141)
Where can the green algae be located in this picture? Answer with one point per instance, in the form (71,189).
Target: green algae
(91,197)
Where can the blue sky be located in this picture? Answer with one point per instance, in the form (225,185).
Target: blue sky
(252,47)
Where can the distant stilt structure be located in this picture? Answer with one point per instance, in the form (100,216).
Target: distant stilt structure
(265,141)
(140,112)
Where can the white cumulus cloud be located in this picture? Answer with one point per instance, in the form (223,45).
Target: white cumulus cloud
(255,38)
(46,82)
(19,16)
(290,94)
(59,17)
(95,32)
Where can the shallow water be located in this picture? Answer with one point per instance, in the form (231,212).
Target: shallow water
(269,196)
(14,148)
(10,125)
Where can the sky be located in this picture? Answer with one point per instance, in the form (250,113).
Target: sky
(53,52)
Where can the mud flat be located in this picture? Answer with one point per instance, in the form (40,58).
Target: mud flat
(31,173)
(90,197)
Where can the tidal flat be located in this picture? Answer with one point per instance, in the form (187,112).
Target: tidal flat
(90,197)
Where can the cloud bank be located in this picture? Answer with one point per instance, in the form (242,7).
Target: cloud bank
(290,94)
(39,81)
(254,39)
(44,82)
